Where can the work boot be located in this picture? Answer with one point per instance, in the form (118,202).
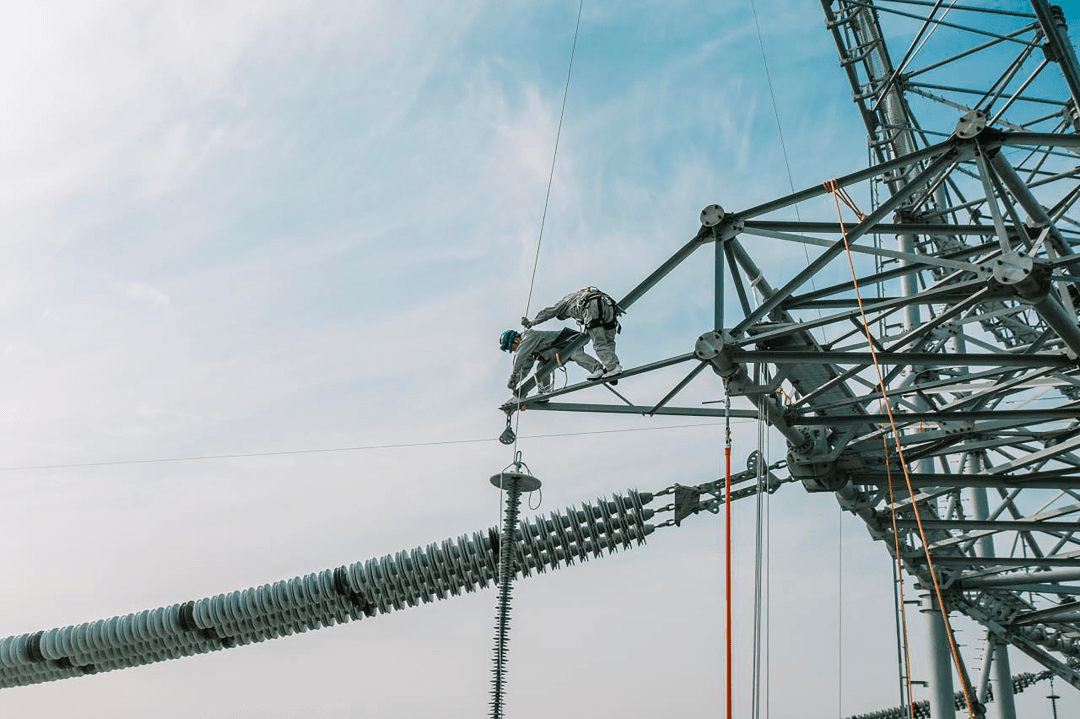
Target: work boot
(596,374)
(616,370)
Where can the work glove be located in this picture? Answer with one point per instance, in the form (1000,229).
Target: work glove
(526,323)
(511,385)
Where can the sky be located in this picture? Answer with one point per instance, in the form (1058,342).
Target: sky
(242,228)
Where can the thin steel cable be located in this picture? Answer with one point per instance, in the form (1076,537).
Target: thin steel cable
(512,500)
(780,132)
(547,199)
(765,461)
(762,474)
(360,448)
(554,155)
(727,544)
(776,113)
(768,581)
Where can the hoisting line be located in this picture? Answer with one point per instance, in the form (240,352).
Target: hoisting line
(838,194)
(780,132)
(509,514)
(551,175)
(547,195)
(762,491)
(727,534)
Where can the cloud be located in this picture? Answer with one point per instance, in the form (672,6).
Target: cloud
(145,293)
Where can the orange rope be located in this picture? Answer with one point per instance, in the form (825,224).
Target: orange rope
(836,192)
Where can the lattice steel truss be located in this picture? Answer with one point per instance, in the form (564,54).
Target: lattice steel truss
(968,272)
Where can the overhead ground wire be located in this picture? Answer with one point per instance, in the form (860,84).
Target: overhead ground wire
(356,448)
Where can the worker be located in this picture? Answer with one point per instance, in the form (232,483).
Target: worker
(598,315)
(540,346)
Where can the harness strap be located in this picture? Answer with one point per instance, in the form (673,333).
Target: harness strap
(599,298)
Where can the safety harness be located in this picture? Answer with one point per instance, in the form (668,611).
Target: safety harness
(602,301)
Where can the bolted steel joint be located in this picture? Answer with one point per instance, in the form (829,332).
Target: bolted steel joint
(717,349)
(712,216)
(805,464)
(1025,277)
(971,124)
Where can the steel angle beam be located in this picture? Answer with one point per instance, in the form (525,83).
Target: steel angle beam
(640,410)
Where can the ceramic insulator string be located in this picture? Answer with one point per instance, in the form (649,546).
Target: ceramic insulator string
(322,599)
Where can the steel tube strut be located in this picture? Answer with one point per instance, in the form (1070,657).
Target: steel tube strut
(949,155)
(941,681)
(1059,47)
(1004,705)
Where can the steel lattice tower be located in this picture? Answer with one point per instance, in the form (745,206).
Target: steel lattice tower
(969,275)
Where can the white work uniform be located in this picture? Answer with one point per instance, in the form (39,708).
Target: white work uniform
(600,308)
(540,346)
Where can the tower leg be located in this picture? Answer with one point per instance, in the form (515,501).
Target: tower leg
(1003,706)
(942,704)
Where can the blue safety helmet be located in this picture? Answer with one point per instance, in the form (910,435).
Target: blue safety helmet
(506,340)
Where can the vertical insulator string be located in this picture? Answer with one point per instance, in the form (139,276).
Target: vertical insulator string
(508,543)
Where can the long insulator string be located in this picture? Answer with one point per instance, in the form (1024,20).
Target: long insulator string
(380,585)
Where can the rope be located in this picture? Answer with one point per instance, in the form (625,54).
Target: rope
(547,195)
(762,488)
(551,176)
(783,145)
(511,509)
(838,192)
(727,537)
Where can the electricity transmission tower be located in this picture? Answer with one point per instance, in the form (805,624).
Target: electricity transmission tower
(922,367)
(940,344)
